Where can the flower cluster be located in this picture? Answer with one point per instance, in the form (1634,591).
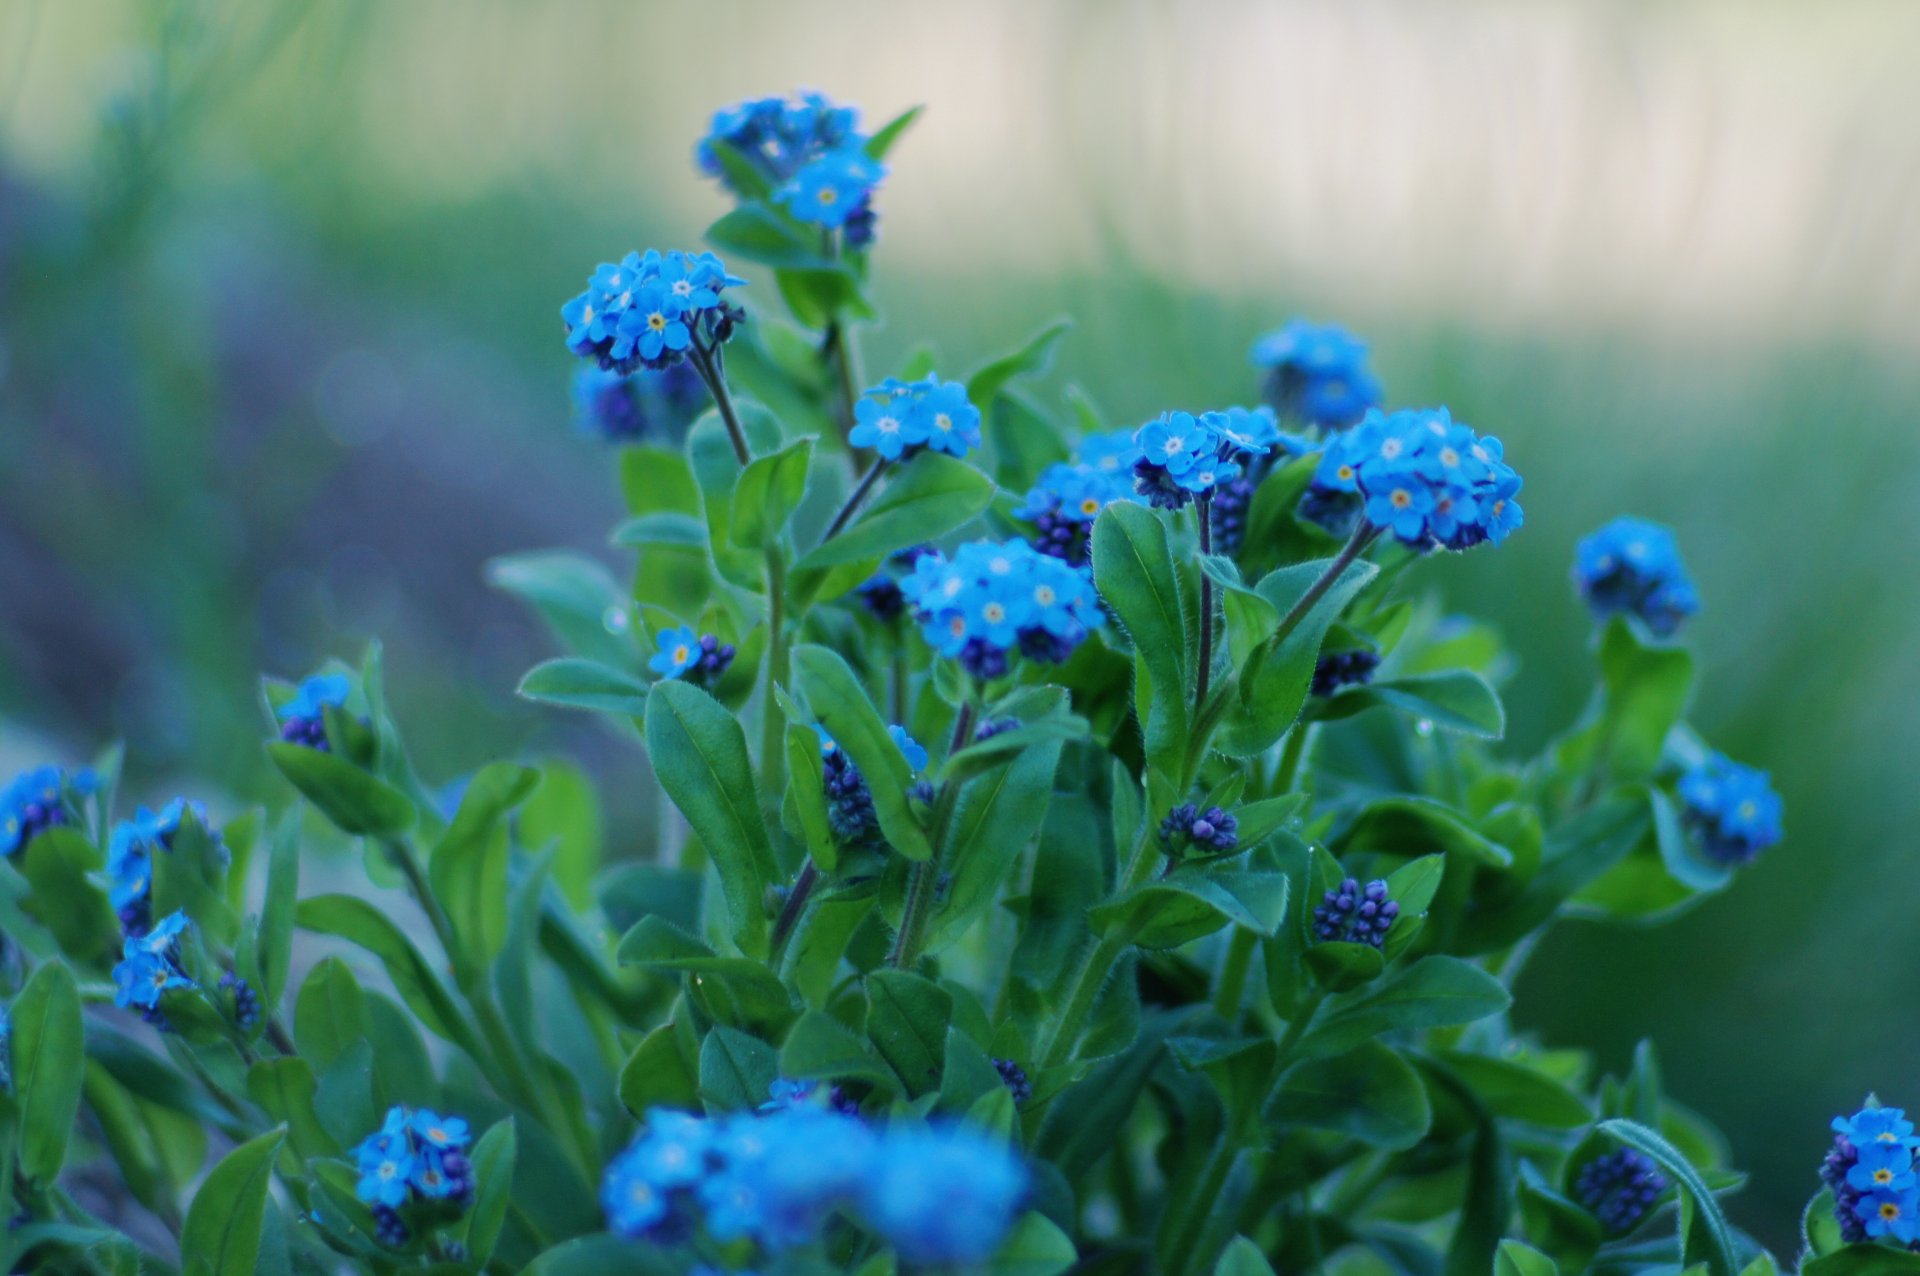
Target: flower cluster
(246,1002)
(1316,374)
(1071,494)
(1188,826)
(991,598)
(849,801)
(1352,914)
(1632,567)
(1419,474)
(415,1158)
(1870,1171)
(150,968)
(1015,1078)
(682,651)
(1350,668)
(303,719)
(619,408)
(650,310)
(774,1177)
(130,851)
(900,418)
(1183,456)
(1619,1188)
(1731,810)
(43,798)
(812,154)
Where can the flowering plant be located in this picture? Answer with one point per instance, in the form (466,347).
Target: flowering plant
(1185,945)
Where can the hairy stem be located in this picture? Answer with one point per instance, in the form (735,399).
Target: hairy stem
(852,503)
(706,361)
(1233,975)
(923,877)
(790,912)
(1203,506)
(1098,963)
(1363,536)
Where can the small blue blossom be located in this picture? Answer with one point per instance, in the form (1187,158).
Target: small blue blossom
(682,650)
(1069,496)
(1886,1127)
(1619,1188)
(386,1163)
(303,718)
(779,135)
(943,1195)
(1882,1167)
(991,598)
(650,403)
(1872,1153)
(1316,375)
(1430,481)
(1890,1213)
(36,800)
(150,967)
(1731,810)
(649,310)
(911,750)
(130,850)
(416,1155)
(901,418)
(1189,826)
(1350,668)
(1183,456)
(832,189)
(1632,567)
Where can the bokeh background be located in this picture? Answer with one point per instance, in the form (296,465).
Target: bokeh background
(280,368)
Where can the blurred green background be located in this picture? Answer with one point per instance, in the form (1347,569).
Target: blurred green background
(280,368)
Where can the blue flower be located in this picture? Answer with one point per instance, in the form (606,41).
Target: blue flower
(1174,442)
(130,850)
(880,424)
(1887,1127)
(778,136)
(672,1152)
(1619,1188)
(634,1204)
(1188,826)
(1430,481)
(6,1050)
(911,750)
(36,800)
(900,418)
(1882,1167)
(992,598)
(387,1164)
(679,651)
(446,1133)
(303,718)
(1890,1213)
(1316,375)
(145,975)
(1112,453)
(1731,810)
(833,188)
(943,1195)
(649,311)
(1632,567)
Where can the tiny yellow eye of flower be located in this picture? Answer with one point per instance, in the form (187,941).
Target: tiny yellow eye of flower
(1883,1176)
(656,321)
(829,195)
(679,653)
(1090,506)
(1890,1210)
(1346,471)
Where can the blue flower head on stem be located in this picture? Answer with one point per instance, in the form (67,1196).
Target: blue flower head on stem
(1355,914)
(416,1155)
(1731,810)
(833,189)
(943,1195)
(1619,1188)
(1183,456)
(1069,496)
(1871,1161)
(651,310)
(1418,474)
(150,967)
(303,719)
(1632,567)
(36,800)
(992,598)
(898,419)
(1317,375)
(682,651)
(778,136)
(130,851)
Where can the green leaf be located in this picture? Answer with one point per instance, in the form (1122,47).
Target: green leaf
(1242,1258)
(664,527)
(699,754)
(887,134)
(736,1071)
(360,922)
(1369,1093)
(1458,700)
(742,174)
(1413,826)
(1029,359)
(1863,1259)
(564,813)
(1133,568)
(222,1232)
(1434,992)
(493,1163)
(923,500)
(751,992)
(574,595)
(1515,1258)
(1275,677)
(1178,909)
(819,297)
(285,1090)
(760,233)
(1035,1247)
(356,801)
(1647,690)
(65,898)
(658,1074)
(1513,1090)
(1717,1236)
(841,703)
(820,1047)
(274,951)
(907,1020)
(1338,966)
(49,1066)
(330,1014)
(578,683)
(468,868)
(768,492)
(1240,1069)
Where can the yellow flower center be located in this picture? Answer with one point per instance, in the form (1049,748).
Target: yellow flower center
(1449,457)
(1044,595)
(657,321)
(1883,1175)
(829,196)
(1401,498)
(994,612)
(1345,472)
(1890,1210)
(681,653)
(1090,506)
(943,423)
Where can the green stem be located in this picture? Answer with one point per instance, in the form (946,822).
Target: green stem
(1203,508)
(1184,1245)
(1363,536)
(852,503)
(707,363)
(924,876)
(1233,975)
(1290,758)
(838,349)
(790,911)
(1093,970)
(773,722)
